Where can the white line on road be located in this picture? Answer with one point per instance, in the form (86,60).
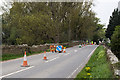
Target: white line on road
(74,71)
(52,59)
(16,72)
(67,53)
(70,76)
(92,52)
(75,50)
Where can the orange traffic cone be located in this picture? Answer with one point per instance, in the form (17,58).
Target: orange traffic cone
(25,61)
(45,58)
(64,50)
(82,45)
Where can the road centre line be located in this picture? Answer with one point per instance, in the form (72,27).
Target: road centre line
(70,76)
(67,53)
(55,58)
(52,59)
(16,72)
(75,50)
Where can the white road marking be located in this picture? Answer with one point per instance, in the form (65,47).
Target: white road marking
(52,59)
(81,64)
(91,53)
(75,50)
(16,72)
(74,71)
(67,53)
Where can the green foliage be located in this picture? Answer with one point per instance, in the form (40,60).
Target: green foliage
(9,56)
(115,42)
(39,23)
(99,66)
(117,66)
(99,33)
(113,22)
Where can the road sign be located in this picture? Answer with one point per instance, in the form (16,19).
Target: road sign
(59,48)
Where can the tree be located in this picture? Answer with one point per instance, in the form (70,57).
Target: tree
(114,21)
(115,42)
(99,33)
(38,23)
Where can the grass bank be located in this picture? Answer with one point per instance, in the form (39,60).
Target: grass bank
(14,56)
(97,67)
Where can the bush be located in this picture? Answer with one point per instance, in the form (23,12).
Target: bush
(108,45)
(115,42)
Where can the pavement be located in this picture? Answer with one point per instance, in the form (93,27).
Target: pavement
(58,65)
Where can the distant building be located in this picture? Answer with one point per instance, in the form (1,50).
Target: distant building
(119,5)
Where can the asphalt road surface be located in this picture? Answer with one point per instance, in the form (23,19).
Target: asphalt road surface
(58,65)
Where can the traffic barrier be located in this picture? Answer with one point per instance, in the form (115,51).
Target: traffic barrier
(52,48)
(59,48)
(25,61)
(45,58)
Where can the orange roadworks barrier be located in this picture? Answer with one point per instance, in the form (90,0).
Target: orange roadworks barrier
(25,61)
(52,48)
(45,58)
(64,50)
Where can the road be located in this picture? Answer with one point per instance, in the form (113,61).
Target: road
(58,65)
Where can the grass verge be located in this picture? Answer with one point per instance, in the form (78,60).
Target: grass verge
(14,56)
(97,67)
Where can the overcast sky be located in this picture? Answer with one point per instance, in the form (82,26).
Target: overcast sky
(103,9)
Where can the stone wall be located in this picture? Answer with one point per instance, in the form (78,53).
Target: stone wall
(113,60)
(18,49)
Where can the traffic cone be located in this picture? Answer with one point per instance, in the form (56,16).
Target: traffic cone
(45,58)
(25,61)
(64,50)
(82,44)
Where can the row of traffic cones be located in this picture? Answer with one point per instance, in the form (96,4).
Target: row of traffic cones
(25,64)
(82,45)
